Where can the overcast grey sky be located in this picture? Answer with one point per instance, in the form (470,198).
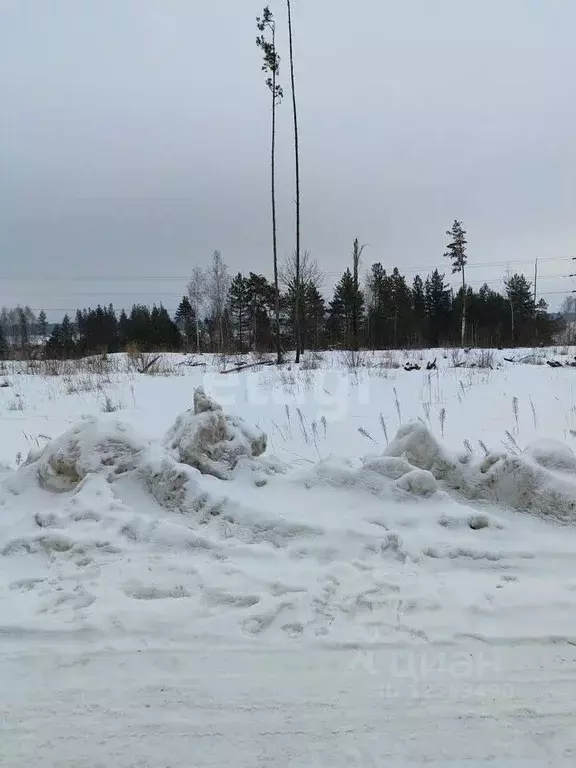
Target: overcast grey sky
(134,140)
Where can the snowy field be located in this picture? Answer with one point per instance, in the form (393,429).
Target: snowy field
(344,563)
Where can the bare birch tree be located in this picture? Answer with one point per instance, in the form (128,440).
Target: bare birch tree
(197,296)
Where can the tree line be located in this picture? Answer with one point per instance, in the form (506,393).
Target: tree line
(226,313)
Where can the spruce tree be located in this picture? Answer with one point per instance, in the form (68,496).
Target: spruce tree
(438,309)
(238,301)
(522,308)
(347,299)
(379,298)
(315,316)
(401,314)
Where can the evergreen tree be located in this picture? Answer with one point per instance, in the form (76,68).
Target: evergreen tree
(314,317)
(438,309)
(457,254)
(61,344)
(378,289)
(522,308)
(42,325)
(347,299)
(185,319)
(23,327)
(401,306)
(260,299)
(123,330)
(4,348)
(419,309)
(238,300)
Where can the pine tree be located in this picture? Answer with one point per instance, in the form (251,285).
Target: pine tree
(419,309)
(185,319)
(272,67)
(298,291)
(457,254)
(42,325)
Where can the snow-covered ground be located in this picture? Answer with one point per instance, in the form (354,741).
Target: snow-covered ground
(342,563)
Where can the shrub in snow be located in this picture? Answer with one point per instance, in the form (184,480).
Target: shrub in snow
(89,447)
(209,440)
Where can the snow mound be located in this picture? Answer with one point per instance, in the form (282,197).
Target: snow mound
(211,441)
(528,482)
(420,482)
(388,466)
(416,445)
(552,454)
(380,476)
(110,448)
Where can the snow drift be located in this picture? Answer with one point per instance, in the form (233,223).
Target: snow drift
(541,480)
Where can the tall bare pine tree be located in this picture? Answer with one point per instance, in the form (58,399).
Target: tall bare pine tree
(297,295)
(266,41)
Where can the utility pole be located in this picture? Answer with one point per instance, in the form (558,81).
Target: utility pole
(535,278)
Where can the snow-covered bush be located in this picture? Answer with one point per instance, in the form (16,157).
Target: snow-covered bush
(209,440)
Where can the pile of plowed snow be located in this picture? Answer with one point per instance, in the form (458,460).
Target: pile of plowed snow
(200,532)
(541,480)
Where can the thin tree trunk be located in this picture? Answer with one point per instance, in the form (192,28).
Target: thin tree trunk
(511,322)
(355,305)
(463,327)
(274,236)
(197,330)
(297,165)
(240,348)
